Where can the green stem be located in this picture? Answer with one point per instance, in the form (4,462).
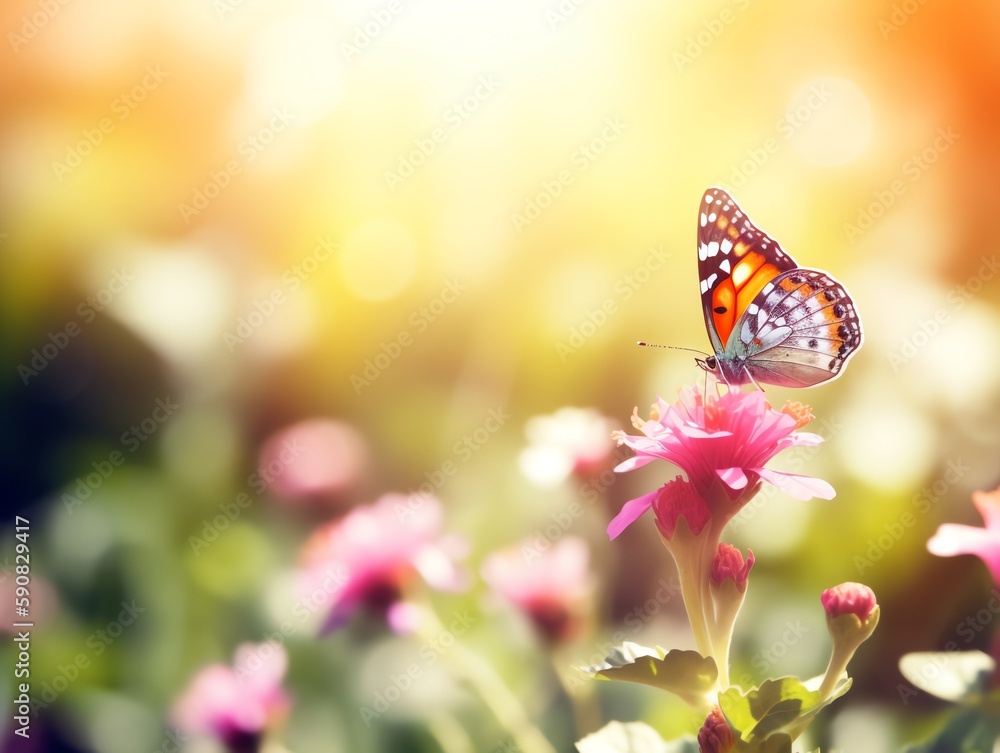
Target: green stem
(587,714)
(839,658)
(493,691)
(449,734)
(728,601)
(691,572)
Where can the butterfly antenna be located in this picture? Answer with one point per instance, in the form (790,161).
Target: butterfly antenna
(671,347)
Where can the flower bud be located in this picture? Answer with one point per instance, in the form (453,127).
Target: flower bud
(851,617)
(849,598)
(728,564)
(715,735)
(677,499)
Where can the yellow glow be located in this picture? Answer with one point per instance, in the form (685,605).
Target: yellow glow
(294,65)
(379,259)
(832,121)
(180,301)
(884,442)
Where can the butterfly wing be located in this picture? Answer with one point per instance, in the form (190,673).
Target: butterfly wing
(799,331)
(736,260)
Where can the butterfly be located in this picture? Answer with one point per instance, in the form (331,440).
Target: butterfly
(768,319)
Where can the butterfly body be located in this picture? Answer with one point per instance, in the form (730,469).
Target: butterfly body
(769,320)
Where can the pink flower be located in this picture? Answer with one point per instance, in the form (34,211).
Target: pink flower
(571,440)
(953,538)
(235,704)
(551,587)
(371,556)
(728,563)
(849,598)
(313,461)
(678,499)
(723,444)
(715,735)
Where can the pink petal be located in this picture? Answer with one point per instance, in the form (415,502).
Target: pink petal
(696,432)
(734,478)
(632,463)
(988,505)
(339,615)
(630,512)
(805,438)
(796,485)
(953,538)
(404,617)
(438,569)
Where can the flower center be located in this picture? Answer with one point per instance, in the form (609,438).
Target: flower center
(801,413)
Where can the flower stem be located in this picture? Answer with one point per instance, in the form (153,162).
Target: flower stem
(839,658)
(494,692)
(587,715)
(727,607)
(449,734)
(691,571)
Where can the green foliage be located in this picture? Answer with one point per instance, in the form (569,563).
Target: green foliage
(687,674)
(957,676)
(633,737)
(968,732)
(779,709)
(961,677)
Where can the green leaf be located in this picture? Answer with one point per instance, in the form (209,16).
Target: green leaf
(763,710)
(782,707)
(687,674)
(967,732)
(780,743)
(632,737)
(956,676)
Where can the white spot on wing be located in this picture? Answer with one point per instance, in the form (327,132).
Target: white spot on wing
(704,219)
(725,246)
(713,248)
(711,279)
(725,267)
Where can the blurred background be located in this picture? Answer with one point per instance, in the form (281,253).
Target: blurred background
(402,229)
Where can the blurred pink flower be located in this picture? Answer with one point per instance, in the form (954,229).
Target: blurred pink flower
(571,440)
(953,538)
(235,704)
(313,459)
(729,563)
(551,587)
(371,556)
(849,598)
(723,444)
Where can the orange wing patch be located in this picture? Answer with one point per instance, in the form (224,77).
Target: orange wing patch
(732,296)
